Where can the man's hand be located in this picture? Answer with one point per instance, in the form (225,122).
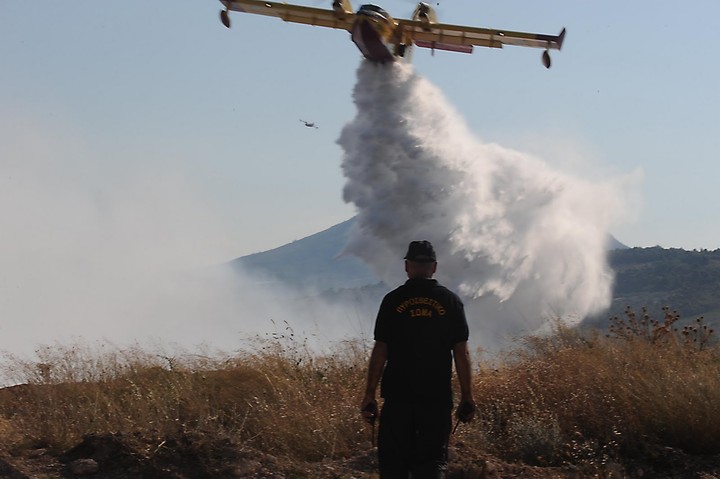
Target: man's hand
(369,410)
(466,410)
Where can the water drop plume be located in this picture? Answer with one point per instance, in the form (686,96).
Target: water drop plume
(518,240)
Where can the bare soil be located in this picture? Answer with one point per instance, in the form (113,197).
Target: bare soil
(117,456)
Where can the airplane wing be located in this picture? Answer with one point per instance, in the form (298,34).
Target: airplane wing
(460,38)
(293,13)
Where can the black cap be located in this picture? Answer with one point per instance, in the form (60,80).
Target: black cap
(421,252)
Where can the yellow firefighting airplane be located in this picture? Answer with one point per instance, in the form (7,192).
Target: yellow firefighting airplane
(382,38)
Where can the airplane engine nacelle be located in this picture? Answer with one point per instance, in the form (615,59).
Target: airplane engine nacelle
(424,13)
(341,7)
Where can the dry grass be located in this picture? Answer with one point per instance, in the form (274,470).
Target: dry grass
(567,398)
(278,398)
(587,399)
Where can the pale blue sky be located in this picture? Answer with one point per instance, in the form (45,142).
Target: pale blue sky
(103,92)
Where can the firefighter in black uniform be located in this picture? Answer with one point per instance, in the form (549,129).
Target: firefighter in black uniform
(420,328)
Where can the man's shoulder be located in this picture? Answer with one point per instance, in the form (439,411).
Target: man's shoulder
(430,288)
(411,287)
(394,293)
(447,291)
(396,290)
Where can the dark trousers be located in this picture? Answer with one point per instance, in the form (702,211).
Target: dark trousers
(413,440)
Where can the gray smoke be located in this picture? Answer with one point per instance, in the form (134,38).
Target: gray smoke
(97,247)
(121,248)
(519,241)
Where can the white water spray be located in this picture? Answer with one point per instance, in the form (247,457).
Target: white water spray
(519,241)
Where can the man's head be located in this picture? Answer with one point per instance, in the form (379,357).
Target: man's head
(420,260)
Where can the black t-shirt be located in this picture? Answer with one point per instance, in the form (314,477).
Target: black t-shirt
(420,322)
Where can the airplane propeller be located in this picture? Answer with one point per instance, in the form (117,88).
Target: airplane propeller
(434,5)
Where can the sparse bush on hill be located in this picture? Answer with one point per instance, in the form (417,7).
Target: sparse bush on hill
(689,280)
(586,400)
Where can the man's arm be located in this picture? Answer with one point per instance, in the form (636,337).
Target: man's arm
(376,366)
(464,373)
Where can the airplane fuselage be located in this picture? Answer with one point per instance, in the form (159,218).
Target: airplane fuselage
(371,32)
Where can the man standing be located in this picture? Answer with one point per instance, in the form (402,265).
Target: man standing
(420,328)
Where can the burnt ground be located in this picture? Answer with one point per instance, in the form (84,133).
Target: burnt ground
(117,456)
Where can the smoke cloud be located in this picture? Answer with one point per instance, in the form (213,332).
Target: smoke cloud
(520,242)
(113,247)
(125,249)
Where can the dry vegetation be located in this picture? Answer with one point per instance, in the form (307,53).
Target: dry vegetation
(638,401)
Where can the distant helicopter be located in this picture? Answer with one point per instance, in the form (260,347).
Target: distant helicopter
(309,124)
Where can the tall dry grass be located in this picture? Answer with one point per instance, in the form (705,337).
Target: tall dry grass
(586,398)
(571,397)
(279,397)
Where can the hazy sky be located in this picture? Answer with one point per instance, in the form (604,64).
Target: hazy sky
(155,107)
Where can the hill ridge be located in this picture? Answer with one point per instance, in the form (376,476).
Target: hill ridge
(644,277)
